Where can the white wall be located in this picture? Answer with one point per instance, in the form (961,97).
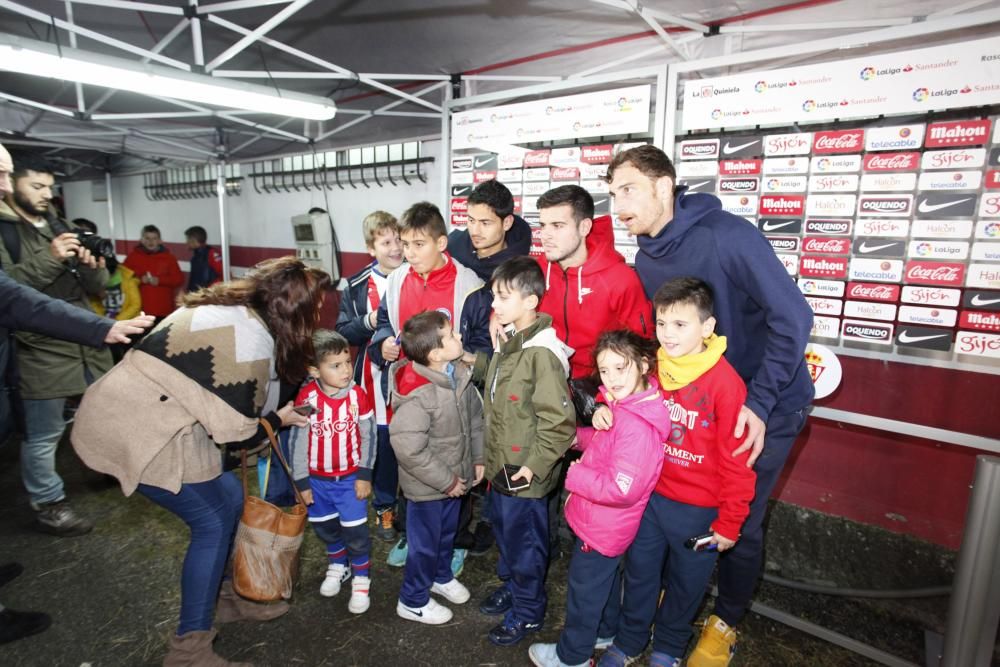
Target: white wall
(255,220)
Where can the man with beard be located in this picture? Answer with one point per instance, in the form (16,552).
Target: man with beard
(766,321)
(34,253)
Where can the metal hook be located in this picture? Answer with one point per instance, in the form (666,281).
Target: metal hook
(350,179)
(363,181)
(253,177)
(388,173)
(336,173)
(403,172)
(419,175)
(375,174)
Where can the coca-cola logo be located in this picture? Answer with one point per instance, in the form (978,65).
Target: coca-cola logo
(826,246)
(536,158)
(891,161)
(843,141)
(873,292)
(459,205)
(832,227)
(935,273)
(565,174)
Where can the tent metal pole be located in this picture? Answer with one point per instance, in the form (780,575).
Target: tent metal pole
(80,106)
(445,151)
(196,43)
(239,4)
(220,193)
(134,6)
(264,28)
(974,609)
(663,104)
(111,206)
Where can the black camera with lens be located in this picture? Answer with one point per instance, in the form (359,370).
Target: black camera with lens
(96,244)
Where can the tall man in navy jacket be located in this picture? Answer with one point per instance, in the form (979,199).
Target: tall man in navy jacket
(766,321)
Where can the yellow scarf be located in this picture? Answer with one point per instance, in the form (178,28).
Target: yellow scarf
(677,372)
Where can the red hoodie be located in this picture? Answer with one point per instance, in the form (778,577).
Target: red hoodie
(158,299)
(603,294)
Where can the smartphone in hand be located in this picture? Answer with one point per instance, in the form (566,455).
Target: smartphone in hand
(305,409)
(503,479)
(701,543)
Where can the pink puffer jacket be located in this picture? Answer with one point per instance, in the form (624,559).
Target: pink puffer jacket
(611,483)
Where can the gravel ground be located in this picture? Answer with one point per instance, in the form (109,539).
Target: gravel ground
(114,594)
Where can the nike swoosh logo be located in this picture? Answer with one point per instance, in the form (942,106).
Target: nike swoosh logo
(905,337)
(727,149)
(770,226)
(692,186)
(414,611)
(977,301)
(924,207)
(480,163)
(864,247)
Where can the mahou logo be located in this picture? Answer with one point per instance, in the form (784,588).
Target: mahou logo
(600,154)
(957,133)
(823,267)
(791,205)
(826,246)
(934,273)
(891,161)
(873,292)
(843,141)
(982,321)
(788,144)
(739,167)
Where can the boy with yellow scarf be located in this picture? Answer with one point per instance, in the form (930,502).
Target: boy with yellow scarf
(703,490)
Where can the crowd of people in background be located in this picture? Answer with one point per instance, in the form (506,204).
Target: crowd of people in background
(642,413)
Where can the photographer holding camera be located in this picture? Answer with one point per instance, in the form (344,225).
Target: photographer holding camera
(37,249)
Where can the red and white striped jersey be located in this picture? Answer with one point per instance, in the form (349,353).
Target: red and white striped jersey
(334,435)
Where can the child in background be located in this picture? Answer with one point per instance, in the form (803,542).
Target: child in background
(437,434)
(609,488)
(356,322)
(332,464)
(530,424)
(703,490)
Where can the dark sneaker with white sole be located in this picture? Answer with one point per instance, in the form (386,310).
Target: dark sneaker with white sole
(59,519)
(512,630)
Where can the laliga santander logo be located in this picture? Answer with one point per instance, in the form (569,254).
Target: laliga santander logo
(823,164)
(716,114)
(921,94)
(809,287)
(760,86)
(924,249)
(809,105)
(773,183)
(993,230)
(867,74)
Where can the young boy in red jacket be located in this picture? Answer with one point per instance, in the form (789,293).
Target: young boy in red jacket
(703,491)
(158,272)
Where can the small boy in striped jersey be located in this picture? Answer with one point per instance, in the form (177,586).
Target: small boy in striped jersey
(332,465)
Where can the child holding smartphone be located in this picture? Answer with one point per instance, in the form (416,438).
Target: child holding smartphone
(702,490)
(609,487)
(332,463)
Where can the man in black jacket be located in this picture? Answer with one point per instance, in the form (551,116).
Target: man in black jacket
(493,233)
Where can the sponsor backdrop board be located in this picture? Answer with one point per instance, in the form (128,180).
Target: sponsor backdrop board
(892,232)
(914,81)
(603,113)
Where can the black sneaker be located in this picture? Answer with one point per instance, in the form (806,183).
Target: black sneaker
(20,624)
(9,572)
(59,519)
(484,539)
(512,630)
(499,602)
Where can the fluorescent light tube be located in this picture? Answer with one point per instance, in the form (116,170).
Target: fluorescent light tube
(43,59)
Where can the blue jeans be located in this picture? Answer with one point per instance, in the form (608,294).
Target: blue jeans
(44,426)
(385,476)
(212,511)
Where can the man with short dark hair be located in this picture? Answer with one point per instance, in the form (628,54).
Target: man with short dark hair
(206,261)
(767,323)
(38,250)
(493,233)
(159,274)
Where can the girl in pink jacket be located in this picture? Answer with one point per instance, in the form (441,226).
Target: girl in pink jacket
(609,488)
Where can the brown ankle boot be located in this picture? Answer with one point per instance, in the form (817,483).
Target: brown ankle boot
(231,607)
(194,649)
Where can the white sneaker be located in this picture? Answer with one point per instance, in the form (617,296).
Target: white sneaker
(336,574)
(359,595)
(431,613)
(453,591)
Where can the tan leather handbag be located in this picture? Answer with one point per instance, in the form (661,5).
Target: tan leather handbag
(266,548)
